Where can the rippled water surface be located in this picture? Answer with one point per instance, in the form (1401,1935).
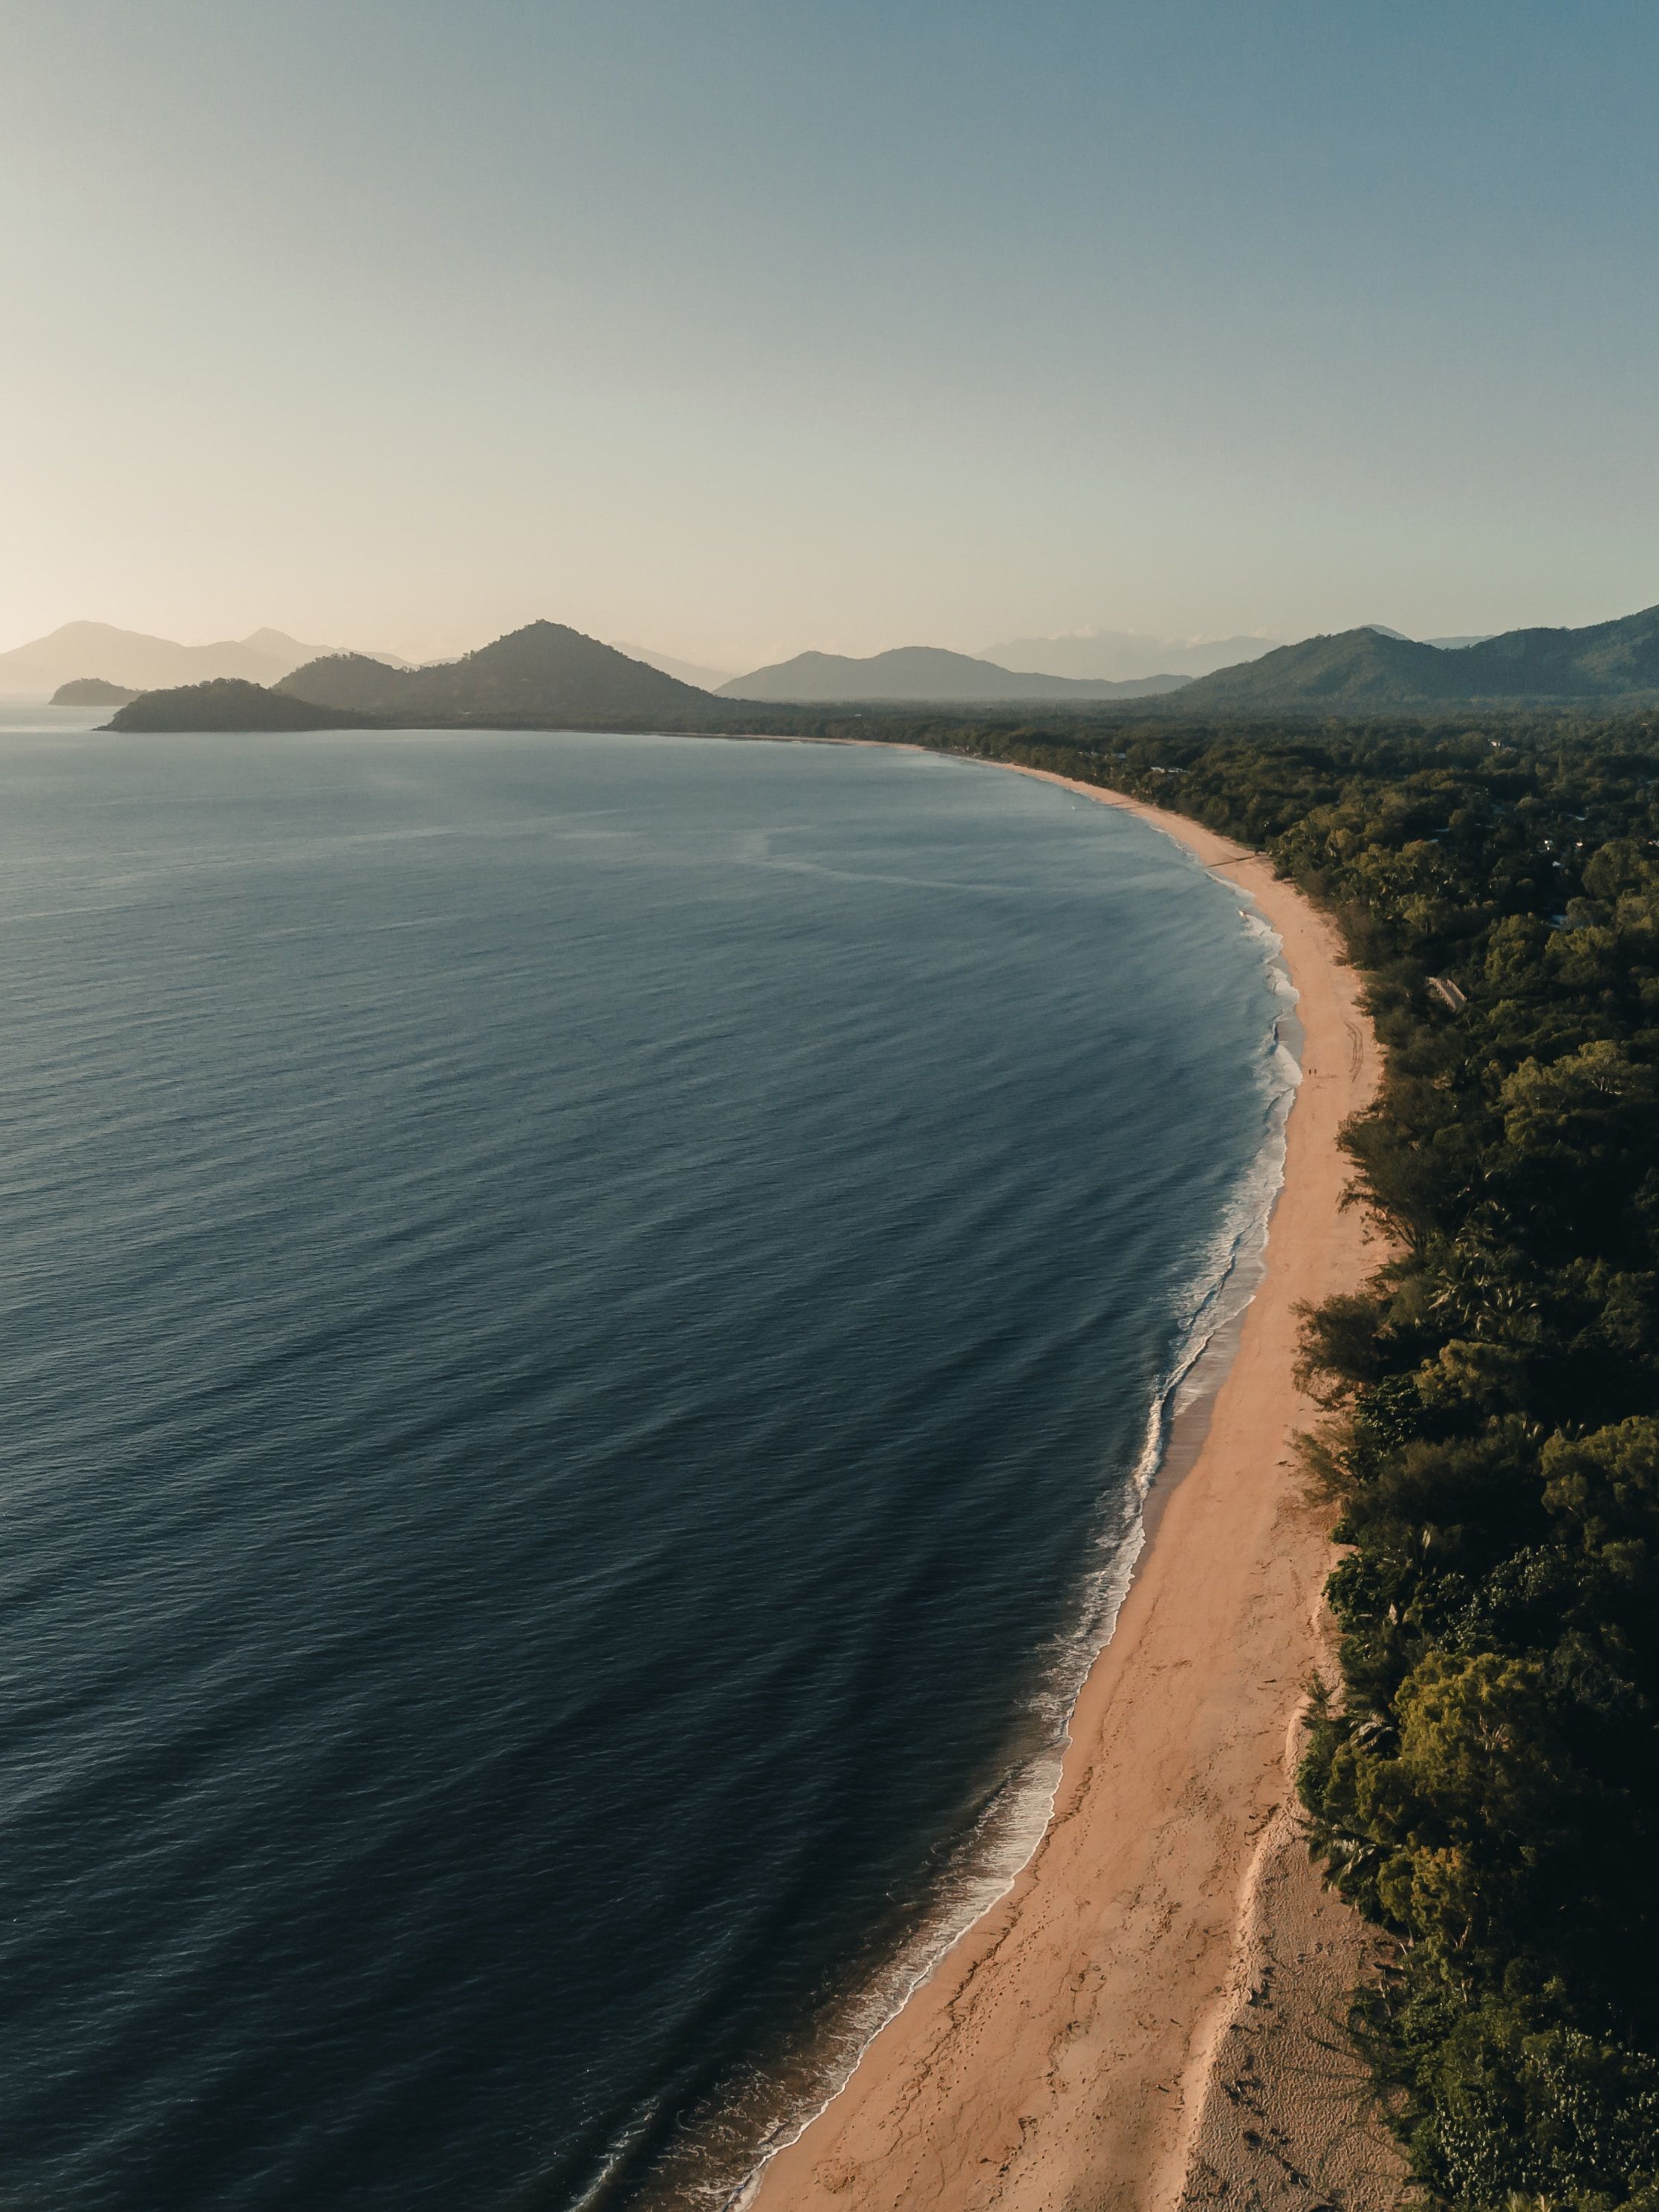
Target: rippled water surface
(579,1317)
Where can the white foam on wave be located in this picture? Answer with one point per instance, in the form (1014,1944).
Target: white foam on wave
(1011,1825)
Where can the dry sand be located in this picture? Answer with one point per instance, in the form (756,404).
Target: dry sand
(1151,2018)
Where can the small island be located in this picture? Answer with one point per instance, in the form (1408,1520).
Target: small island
(92,691)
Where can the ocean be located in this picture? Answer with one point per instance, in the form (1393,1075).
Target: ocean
(585,1320)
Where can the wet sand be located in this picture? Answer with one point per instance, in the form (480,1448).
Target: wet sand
(1083,2044)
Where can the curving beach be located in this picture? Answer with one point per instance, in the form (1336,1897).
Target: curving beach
(1094,2039)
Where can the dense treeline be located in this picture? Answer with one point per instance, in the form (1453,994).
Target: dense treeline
(1484,1781)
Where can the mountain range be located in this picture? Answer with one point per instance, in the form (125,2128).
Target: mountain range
(922,673)
(1122,655)
(1358,669)
(139,663)
(551,675)
(544,670)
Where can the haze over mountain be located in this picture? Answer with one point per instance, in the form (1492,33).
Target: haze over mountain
(920,673)
(545,670)
(1445,644)
(1124,655)
(552,676)
(687,671)
(1357,670)
(141,663)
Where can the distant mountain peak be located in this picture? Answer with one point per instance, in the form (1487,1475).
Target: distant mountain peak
(544,672)
(921,673)
(138,662)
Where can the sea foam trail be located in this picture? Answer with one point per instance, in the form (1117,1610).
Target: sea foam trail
(721,2162)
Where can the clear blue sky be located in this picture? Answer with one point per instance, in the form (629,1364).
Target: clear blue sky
(735,328)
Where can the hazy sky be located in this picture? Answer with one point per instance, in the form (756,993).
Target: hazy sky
(735,328)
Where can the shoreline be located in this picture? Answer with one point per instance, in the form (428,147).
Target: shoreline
(1066,2045)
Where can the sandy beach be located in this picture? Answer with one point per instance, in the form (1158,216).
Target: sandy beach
(1106,2037)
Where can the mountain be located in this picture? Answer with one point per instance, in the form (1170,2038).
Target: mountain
(226,703)
(923,672)
(544,672)
(1361,669)
(139,663)
(350,681)
(1445,644)
(92,691)
(688,672)
(1124,655)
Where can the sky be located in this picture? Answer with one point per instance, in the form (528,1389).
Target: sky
(738,327)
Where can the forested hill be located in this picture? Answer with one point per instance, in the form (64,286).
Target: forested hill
(919,672)
(226,704)
(543,670)
(92,691)
(1484,1781)
(1367,669)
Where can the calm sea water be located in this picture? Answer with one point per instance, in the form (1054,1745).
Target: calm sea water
(580,1316)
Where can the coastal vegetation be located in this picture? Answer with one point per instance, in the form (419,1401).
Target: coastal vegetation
(1483,1780)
